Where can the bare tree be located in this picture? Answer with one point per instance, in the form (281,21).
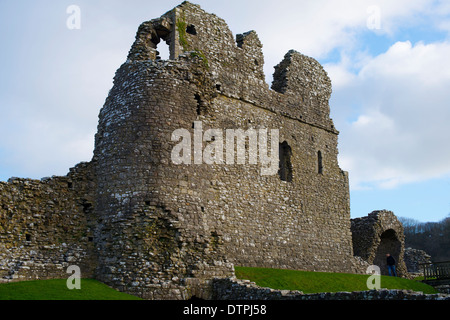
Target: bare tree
(432,237)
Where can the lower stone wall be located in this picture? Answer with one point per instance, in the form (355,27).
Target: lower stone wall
(233,289)
(46,226)
(443,289)
(44,262)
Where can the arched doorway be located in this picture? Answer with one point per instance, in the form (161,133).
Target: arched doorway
(389,243)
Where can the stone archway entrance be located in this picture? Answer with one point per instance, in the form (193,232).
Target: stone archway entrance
(389,243)
(377,234)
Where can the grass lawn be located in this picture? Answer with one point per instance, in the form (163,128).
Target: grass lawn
(57,290)
(314,282)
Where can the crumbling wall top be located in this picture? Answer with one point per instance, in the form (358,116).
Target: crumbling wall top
(235,65)
(305,78)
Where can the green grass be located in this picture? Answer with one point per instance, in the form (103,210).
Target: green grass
(315,282)
(57,290)
(308,282)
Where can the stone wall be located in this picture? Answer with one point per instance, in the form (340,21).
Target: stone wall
(46,225)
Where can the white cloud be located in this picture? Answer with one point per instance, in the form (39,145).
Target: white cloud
(401,132)
(316,28)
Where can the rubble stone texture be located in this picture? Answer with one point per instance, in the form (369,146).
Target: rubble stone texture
(414,258)
(147,226)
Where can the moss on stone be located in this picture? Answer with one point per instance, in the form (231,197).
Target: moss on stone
(181,27)
(199,53)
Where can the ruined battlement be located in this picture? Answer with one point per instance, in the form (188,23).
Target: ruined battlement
(301,87)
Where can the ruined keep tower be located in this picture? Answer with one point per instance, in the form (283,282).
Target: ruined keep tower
(167,221)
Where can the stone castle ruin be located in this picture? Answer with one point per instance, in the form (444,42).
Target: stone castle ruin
(137,221)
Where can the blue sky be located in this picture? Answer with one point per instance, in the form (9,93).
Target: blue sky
(390,98)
